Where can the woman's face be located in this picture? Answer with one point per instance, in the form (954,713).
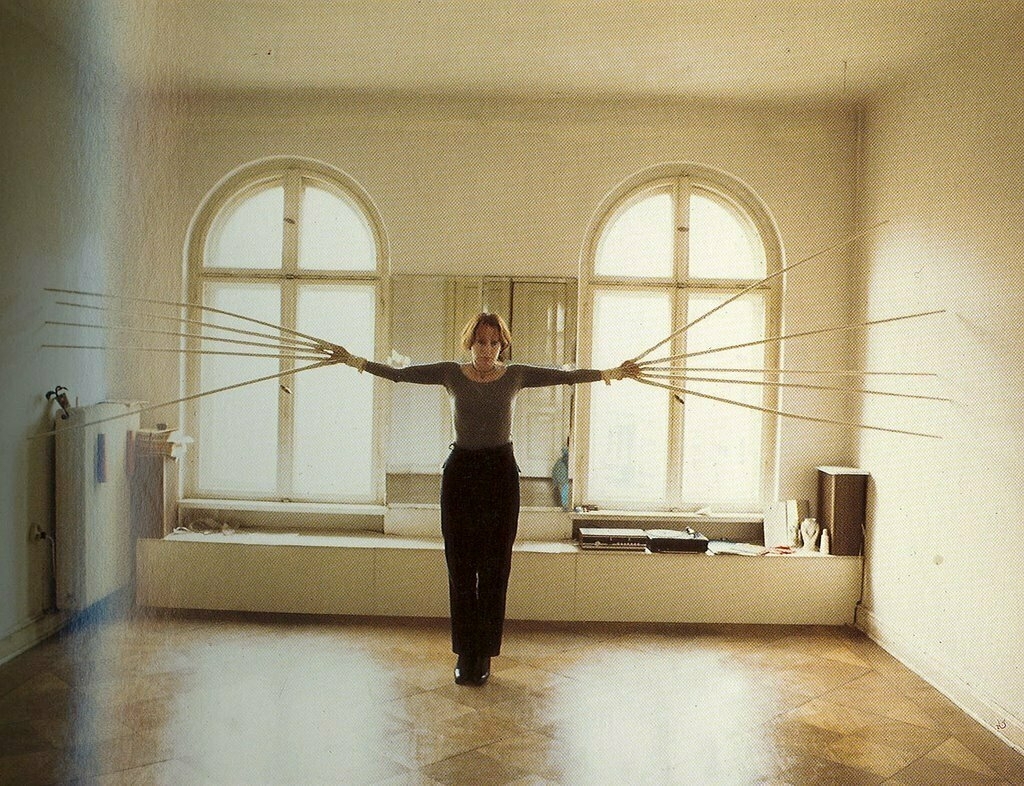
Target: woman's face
(486,347)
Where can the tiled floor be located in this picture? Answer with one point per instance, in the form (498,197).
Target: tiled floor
(188,700)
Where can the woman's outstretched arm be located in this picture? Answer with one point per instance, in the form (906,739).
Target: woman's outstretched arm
(540,376)
(425,374)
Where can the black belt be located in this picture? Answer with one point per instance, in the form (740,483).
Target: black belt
(499,450)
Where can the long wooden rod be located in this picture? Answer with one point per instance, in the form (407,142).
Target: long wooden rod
(820,372)
(153,331)
(687,392)
(772,339)
(286,341)
(276,356)
(684,377)
(840,244)
(194,396)
(210,309)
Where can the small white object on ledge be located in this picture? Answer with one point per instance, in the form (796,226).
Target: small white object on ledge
(809,530)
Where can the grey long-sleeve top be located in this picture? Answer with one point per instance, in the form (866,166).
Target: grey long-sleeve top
(483,410)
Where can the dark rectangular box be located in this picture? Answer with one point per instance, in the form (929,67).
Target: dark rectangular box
(842,507)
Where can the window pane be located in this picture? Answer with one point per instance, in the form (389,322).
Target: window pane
(628,421)
(334,406)
(723,244)
(638,242)
(722,459)
(333,233)
(237,446)
(248,233)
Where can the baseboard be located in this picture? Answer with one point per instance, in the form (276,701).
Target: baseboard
(30,634)
(942,677)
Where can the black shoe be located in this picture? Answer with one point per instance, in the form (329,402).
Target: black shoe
(465,669)
(482,669)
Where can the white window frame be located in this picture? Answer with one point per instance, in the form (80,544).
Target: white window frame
(289,277)
(682,179)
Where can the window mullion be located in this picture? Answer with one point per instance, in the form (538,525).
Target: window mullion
(191,367)
(682,222)
(290,239)
(677,413)
(289,298)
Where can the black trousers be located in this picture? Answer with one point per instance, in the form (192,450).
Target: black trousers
(479,519)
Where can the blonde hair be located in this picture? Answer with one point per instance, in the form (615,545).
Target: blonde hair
(491,320)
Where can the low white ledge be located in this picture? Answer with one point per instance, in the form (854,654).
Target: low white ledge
(377,574)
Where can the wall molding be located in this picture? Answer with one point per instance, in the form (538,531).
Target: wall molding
(944,678)
(31,633)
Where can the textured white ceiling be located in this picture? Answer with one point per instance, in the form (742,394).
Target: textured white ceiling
(740,50)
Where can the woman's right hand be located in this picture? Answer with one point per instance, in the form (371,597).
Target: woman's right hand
(341,355)
(346,357)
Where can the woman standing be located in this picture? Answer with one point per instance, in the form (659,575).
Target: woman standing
(480,482)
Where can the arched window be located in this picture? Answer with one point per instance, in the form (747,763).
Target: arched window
(666,247)
(296,244)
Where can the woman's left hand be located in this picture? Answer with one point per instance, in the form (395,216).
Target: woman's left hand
(628,368)
(631,369)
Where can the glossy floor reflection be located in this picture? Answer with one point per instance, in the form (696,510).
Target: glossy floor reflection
(189,699)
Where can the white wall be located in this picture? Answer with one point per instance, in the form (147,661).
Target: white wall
(498,187)
(56,224)
(944,159)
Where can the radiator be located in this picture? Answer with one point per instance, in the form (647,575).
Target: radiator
(93,504)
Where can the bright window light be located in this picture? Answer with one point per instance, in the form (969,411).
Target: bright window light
(334,407)
(661,446)
(722,461)
(290,247)
(333,233)
(639,240)
(248,232)
(628,436)
(237,445)
(723,242)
